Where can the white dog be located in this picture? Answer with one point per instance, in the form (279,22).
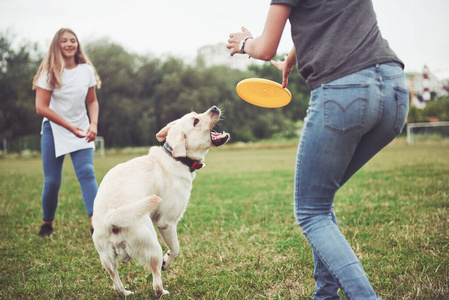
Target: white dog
(152,189)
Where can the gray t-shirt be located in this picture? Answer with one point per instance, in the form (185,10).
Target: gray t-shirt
(335,38)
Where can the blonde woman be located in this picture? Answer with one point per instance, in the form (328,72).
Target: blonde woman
(64,84)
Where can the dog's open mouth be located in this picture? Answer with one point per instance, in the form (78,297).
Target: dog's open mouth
(218,139)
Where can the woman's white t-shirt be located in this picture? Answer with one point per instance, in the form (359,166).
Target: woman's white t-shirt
(69,101)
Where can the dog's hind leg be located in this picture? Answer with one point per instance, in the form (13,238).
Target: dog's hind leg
(155,266)
(170,237)
(111,267)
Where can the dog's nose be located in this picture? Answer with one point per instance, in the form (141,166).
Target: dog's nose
(214,110)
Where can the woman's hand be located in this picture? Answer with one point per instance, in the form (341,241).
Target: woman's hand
(286,70)
(92,105)
(77,131)
(43,108)
(91,134)
(235,39)
(263,47)
(286,66)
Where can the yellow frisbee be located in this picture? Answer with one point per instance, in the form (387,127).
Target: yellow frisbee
(263,92)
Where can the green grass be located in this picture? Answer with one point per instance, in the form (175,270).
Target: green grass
(239,239)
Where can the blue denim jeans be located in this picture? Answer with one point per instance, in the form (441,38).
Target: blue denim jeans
(83,163)
(348,121)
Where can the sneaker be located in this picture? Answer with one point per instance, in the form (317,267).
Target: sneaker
(91,231)
(46,230)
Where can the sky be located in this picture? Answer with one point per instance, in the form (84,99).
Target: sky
(417,30)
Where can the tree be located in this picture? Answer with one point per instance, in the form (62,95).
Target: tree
(438,108)
(141,94)
(119,97)
(17,109)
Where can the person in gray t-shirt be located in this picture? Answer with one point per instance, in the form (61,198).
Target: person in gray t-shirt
(359,104)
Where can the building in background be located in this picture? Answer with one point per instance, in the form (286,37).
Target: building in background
(425,87)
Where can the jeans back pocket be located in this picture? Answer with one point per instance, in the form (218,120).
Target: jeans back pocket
(345,106)
(402,103)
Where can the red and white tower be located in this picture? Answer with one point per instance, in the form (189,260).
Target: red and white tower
(426,84)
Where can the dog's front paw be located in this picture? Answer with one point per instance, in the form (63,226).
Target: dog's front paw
(164,265)
(168,259)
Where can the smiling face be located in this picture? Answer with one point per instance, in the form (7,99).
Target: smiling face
(68,45)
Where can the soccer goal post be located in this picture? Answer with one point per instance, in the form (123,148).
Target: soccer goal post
(99,143)
(412,126)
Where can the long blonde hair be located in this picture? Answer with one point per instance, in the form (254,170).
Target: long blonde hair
(54,63)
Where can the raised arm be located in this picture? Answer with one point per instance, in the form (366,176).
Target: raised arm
(263,47)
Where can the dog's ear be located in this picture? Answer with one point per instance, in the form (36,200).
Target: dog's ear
(179,148)
(162,134)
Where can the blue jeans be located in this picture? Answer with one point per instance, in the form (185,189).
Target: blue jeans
(83,163)
(348,121)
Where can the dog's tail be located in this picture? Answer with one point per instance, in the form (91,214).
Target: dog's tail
(127,215)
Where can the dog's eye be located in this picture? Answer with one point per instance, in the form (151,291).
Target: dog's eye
(195,122)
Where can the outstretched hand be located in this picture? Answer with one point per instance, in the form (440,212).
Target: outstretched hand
(235,38)
(285,67)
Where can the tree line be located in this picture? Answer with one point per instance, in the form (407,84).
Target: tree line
(141,93)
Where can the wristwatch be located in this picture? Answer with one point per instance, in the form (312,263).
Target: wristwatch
(242,45)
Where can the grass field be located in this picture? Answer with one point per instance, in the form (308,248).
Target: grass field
(239,239)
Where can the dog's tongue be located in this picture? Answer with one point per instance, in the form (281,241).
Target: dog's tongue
(219,139)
